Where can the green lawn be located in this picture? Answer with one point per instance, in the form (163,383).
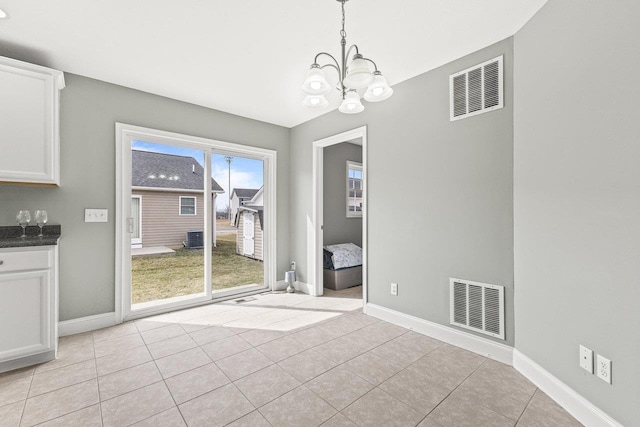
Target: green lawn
(165,276)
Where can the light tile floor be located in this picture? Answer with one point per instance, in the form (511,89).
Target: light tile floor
(271,360)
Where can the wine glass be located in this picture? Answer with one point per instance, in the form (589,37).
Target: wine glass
(41,220)
(23,218)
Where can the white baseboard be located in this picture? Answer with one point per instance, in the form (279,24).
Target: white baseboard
(86,324)
(579,407)
(305,288)
(492,350)
(281,285)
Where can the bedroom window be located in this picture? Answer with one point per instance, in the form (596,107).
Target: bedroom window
(187,205)
(355,187)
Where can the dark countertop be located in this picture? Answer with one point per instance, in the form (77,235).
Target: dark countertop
(10,236)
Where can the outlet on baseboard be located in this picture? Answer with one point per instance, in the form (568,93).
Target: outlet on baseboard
(603,368)
(394,289)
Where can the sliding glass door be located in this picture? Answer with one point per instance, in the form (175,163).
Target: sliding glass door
(195,221)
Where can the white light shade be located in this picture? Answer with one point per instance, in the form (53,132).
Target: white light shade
(379,90)
(358,73)
(315,101)
(315,82)
(351,103)
(3,14)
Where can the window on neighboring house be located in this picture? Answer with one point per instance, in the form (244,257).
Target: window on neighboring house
(355,187)
(187,205)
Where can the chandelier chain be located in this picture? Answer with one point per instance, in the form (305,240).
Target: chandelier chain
(343,33)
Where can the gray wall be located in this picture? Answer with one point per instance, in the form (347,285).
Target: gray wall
(577,204)
(440,193)
(337,227)
(89,110)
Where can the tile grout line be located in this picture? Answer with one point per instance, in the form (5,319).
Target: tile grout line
(67,413)
(454,389)
(401,370)
(95,362)
(120,370)
(24,405)
(163,380)
(526,406)
(486,360)
(61,388)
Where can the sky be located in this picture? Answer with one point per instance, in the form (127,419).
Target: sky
(245,173)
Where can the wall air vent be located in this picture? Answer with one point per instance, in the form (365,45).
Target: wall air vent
(478,307)
(476,90)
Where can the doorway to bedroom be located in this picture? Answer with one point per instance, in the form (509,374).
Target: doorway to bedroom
(338,252)
(343,187)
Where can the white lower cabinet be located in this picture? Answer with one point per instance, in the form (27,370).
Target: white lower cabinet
(28,306)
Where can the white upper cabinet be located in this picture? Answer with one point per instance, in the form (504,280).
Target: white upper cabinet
(29,122)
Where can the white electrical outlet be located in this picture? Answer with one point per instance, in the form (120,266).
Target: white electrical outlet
(603,368)
(586,359)
(95,215)
(394,289)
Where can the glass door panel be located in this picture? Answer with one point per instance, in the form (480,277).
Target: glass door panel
(238,260)
(169,206)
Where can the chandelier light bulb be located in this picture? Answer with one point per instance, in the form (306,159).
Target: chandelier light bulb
(379,89)
(358,73)
(351,103)
(315,83)
(315,101)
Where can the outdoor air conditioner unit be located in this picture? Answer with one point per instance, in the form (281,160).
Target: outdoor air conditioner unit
(195,239)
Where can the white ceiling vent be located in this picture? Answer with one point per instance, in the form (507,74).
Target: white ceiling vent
(478,307)
(476,90)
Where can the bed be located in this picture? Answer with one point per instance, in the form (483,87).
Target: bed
(342,266)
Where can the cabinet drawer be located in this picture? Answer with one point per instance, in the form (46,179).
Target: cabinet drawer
(25,260)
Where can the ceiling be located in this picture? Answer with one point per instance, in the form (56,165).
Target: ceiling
(248,57)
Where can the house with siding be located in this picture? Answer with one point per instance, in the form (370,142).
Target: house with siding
(167,198)
(238,197)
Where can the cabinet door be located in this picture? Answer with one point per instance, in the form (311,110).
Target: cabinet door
(26,304)
(29,139)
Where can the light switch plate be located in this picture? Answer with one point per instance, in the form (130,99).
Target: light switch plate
(586,359)
(96,215)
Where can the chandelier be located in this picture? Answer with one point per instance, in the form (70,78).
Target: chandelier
(354,73)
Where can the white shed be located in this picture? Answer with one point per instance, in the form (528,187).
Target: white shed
(249,240)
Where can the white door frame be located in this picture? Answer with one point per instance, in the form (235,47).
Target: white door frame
(314,246)
(125,134)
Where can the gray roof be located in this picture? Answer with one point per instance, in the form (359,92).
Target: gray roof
(245,193)
(159,170)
